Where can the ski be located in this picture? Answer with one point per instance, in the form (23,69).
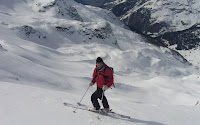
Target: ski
(87,108)
(120,115)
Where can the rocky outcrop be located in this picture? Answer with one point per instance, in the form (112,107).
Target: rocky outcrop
(63,9)
(101,31)
(97,3)
(184,40)
(169,22)
(28,32)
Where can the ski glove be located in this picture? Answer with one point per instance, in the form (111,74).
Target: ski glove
(105,87)
(91,84)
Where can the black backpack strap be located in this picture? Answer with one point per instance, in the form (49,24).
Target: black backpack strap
(105,77)
(95,75)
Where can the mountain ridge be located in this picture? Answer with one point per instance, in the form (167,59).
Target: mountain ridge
(168,23)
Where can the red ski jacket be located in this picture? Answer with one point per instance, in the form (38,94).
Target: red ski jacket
(103,76)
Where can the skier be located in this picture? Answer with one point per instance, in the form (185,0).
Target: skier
(103,77)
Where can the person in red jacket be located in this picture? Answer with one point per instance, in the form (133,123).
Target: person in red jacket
(103,77)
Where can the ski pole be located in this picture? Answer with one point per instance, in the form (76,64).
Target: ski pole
(81,99)
(102,103)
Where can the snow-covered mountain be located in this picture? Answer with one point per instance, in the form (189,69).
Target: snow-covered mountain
(172,23)
(48,50)
(97,3)
(156,17)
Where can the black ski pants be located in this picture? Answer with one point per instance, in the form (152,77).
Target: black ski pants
(98,95)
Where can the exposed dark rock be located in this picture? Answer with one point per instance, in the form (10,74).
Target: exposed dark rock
(97,3)
(28,31)
(63,9)
(138,17)
(185,40)
(100,33)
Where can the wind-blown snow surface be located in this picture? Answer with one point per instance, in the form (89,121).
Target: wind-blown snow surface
(43,68)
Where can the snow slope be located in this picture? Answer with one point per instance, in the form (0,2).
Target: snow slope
(48,59)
